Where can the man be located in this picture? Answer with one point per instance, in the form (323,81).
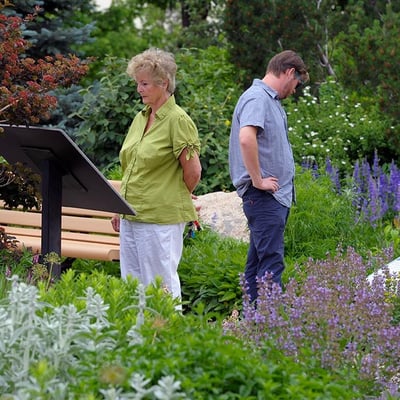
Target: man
(262,167)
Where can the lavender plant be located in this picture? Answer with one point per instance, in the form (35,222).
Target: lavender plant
(375,190)
(377,193)
(332,314)
(374,194)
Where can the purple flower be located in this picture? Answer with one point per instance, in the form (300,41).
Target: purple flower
(334,312)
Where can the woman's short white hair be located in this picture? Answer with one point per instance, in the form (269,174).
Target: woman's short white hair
(159,63)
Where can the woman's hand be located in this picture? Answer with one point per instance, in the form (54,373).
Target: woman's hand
(115,222)
(197,206)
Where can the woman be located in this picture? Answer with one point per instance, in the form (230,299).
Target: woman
(161,168)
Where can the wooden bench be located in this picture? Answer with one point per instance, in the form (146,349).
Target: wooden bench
(85,233)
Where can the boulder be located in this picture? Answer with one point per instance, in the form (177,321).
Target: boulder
(223,213)
(393,268)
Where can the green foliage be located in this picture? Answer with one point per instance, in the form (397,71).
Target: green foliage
(30,269)
(114,172)
(298,25)
(206,91)
(367,56)
(336,126)
(392,236)
(12,262)
(69,100)
(58,27)
(127,28)
(201,24)
(86,266)
(117,293)
(106,113)
(209,272)
(95,337)
(321,220)
(20,186)
(332,314)
(313,229)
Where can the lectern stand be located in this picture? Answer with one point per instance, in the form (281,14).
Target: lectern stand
(69,178)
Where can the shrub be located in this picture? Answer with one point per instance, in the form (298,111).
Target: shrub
(332,124)
(108,108)
(206,91)
(209,271)
(331,314)
(99,337)
(20,186)
(322,219)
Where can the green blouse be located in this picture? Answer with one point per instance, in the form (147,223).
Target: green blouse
(152,179)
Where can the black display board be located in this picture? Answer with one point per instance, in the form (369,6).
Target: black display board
(69,178)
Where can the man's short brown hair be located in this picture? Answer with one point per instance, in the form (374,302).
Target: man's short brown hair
(285,60)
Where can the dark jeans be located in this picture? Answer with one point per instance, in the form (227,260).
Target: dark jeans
(267,220)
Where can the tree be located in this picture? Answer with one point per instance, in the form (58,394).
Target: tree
(191,10)
(26,83)
(259,29)
(126,28)
(368,58)
(355,41)
(201,22)
(60,26)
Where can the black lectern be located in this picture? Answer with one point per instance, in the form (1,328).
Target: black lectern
(69,178)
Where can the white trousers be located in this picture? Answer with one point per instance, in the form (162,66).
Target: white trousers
(150,250)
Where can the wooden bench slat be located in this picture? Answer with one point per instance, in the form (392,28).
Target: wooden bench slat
(85,212)
(90,225)
(70,223)
(101,251)
(20,218)
(15,230)
(74,249)
(116,184)
(73,211)
(84,237)
(85,233)
(29,242)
